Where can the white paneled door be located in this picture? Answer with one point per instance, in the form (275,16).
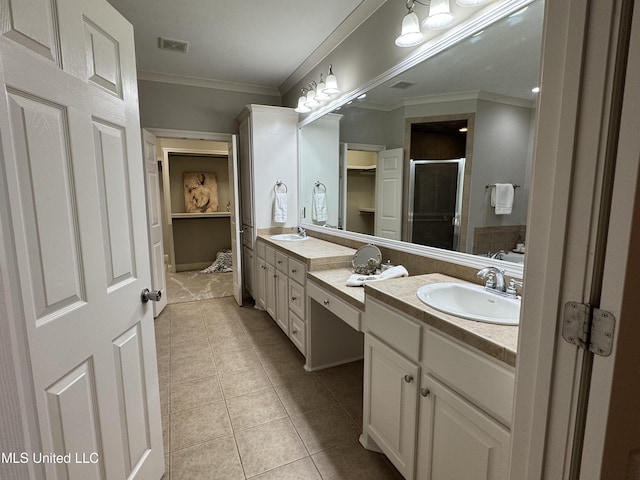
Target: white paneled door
(389,173)
(154,220)
(236,236)
(75,233)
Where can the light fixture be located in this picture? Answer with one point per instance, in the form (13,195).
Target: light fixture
(439,15)
(302,108)
(410,35)
(463,129)
(470,3)
(321,95)
(331,83)
(311,96)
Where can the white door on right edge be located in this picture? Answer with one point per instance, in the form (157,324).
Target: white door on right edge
(389,172)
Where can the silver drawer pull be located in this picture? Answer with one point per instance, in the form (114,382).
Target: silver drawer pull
(408,378)
(294,331)
(425,392)
(279,262)
(294,270)
(294,298)
(326,302)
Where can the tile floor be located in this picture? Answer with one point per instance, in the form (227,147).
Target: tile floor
(237,404)
(193,285)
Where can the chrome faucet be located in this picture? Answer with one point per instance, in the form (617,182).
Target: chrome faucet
(495,278)
(499,255)
(301,231)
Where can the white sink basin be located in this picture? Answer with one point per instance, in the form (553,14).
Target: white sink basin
(288,237)
(472,302)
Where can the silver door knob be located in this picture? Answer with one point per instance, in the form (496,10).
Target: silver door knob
(153,295)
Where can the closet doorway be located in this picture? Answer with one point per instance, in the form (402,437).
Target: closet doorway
(199,192)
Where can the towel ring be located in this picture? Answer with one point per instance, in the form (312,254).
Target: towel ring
(319,185)
(278,185)
(493,185)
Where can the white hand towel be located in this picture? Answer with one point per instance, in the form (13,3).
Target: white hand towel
(356,280)
(280,207)
(502,198)
(319,211)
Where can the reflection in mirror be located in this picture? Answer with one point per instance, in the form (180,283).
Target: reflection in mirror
(472,101)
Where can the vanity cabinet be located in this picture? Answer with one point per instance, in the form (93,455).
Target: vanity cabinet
(457,439)
(426,392)
(280,287)
(391,402)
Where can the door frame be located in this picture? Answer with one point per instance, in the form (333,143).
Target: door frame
(577,110)
(195,135)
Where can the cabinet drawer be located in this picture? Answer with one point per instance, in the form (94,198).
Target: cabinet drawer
(270,255)
(477,377)
(344,311)
(297,332)
(296,298)
(260,249)
(394,328)
(297,271)
(282,263)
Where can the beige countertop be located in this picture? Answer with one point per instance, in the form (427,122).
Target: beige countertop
(335,281)
(498,341)
(317,254)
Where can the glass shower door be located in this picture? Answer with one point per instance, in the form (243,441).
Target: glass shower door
(435,202)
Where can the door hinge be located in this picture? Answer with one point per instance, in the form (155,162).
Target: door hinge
(588,327)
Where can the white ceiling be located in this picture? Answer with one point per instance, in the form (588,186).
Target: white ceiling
(245,43)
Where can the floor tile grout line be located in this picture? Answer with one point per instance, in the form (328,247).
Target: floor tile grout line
(226,406)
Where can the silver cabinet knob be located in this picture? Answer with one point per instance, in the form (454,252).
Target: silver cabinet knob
(153,295)
(408,378)
(326,302)
(425,392)
(294,331)
(294,270)
(294,298)
(279,262)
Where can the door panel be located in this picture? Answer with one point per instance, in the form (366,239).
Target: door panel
(72,401)
(236,236)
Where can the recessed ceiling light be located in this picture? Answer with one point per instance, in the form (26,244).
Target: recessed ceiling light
(362,97)
(463,129)
(535,89)
(477,34)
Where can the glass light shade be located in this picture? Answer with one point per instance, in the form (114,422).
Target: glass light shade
(411,34)
(331,83)
(302,108)
(439,15)
(311,101)
(471,3)
(320,93)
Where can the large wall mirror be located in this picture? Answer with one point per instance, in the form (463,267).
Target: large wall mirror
(418,158)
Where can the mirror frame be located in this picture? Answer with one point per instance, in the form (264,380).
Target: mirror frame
(448,39)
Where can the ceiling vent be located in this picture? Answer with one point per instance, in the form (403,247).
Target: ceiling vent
(402,85)
(172,45)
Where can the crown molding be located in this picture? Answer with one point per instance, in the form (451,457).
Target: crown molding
(363,11)
(207,83)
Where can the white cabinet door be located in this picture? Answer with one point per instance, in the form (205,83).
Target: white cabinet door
(456,439)
(282,304)
(391,403)
(248,265)
(271,290)
(261,283)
